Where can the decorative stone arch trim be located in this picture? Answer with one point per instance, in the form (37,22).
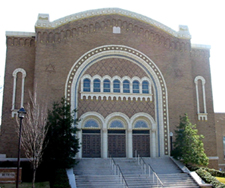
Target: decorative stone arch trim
(140,59)
(201,116)
(91,115)
(117,116)
(143,116)
(14,74)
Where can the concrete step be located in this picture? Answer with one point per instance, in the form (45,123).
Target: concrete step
(96,173)
(169,173)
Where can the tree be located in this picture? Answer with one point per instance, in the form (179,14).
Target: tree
(33,133)
(61,137)
(188,145)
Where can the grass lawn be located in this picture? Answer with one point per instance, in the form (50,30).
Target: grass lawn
(221,179)
(27,185)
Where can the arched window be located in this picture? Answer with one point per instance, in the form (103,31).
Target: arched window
(135,86)
(140,124)
(116,86)
(91,123)
(87,85)
(97,85)
(106,85)
(145,87)
(116,124)
(126,86)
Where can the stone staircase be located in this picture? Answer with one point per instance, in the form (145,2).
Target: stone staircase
(170,174)
(96,173)
(134,174)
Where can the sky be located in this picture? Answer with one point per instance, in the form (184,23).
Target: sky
(204,18)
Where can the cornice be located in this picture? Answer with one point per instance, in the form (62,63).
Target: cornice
(200,46)
(19,34)
(44,23)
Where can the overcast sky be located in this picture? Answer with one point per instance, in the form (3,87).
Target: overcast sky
(205,19)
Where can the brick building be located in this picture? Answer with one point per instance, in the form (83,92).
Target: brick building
(129,76)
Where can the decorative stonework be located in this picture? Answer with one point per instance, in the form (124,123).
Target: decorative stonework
(50,68)
(43,20)
(136,56)
(14,74)
(20,38)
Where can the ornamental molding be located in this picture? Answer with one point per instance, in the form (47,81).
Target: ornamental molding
(44,23)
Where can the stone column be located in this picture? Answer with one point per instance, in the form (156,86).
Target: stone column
(153,146)
(79,136)
(129,144)
(104,143)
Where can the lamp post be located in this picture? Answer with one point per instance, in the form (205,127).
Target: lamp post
(171,142)
(21,114)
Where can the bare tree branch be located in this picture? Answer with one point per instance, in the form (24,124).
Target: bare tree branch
(34,131)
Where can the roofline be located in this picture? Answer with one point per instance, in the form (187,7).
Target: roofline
(201,46)
(19,34)
(44,23)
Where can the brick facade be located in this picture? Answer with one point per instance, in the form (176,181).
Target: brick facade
(59,53)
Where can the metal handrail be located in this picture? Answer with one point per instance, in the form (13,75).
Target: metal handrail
(144,166)
(113,163)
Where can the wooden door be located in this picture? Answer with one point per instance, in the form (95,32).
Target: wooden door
(91,143)
(117,143)
(141,143)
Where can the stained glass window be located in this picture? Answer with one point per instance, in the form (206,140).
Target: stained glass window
(116,124)
(116,86)
(87,85)
(91,123)
(126,86)
(106,85)
(140,124)
(97,85)
(135,86)
(145,87)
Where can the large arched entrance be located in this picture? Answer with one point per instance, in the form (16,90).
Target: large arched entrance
(161,136)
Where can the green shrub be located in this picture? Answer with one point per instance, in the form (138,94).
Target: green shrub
(208,178)
(60,179)
(214,172)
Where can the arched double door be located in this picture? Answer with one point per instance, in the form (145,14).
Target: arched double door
(116,137)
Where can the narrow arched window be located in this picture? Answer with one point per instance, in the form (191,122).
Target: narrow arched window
(97,85)
(145,87)
(87,85)
(136,86)
(116,86)
(106,85)
(126,86)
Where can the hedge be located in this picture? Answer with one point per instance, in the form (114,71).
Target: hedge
(208,178)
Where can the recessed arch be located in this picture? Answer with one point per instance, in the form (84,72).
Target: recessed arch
(144,62)
(14,74)
(91,116)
